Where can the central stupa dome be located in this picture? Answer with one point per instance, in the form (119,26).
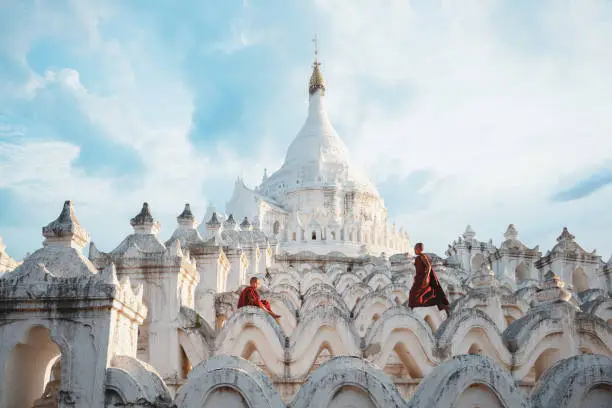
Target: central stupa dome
(317,157)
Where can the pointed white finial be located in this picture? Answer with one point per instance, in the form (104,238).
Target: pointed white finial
(186,218)
(66,229)
(511,232)
(175,248)
(144,223)
(469,233)
(93,251)
(109,275)
(317,83)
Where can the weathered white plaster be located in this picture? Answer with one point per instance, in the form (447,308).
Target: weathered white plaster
(56,305)
(580,381)
(450,385)
(155,323)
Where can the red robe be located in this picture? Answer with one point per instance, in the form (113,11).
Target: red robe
(250,297)
(426,290)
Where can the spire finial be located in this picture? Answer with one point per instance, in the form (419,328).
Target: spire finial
(316,80)
(315,40)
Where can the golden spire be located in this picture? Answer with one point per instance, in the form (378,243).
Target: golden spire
(316,80)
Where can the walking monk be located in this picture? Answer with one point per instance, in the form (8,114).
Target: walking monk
(250,297)
(426,290)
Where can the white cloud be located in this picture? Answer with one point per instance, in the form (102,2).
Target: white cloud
(503,118)
(506,123)
(146,107)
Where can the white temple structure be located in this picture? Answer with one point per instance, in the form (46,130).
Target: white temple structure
(319,200)
(154,323)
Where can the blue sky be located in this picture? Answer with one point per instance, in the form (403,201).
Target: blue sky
(484,112)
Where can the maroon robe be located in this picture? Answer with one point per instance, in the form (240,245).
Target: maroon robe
(250,297)
(426,290)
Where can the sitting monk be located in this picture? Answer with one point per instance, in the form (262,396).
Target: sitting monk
(250,297)
(426,290)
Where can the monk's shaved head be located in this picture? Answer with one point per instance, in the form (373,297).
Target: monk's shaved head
(418,248)
(253,280)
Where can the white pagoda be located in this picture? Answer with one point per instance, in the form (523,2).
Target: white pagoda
(319,200)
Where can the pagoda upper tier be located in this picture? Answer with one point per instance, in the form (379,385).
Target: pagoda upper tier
(317,157)
(319,201)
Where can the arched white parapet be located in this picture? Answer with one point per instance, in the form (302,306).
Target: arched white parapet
(323,295)
(397,292)
(526,294)
(399,331)
(535,339)
(369,309)
(455,382)
(480,298)
(195,335)
(251,329)
(290,292)
(194,346)
(432,316)
(328,381)
(333,271)
(345,280)
(361,272)
(580,381)
(282,298)
(285,278)
(318,329)
(304,267)
(506,285)
(283,305)
(515,306)
(469,330)
(227,372)
(600,307)
(512,313)
(353,293)
(552,332)
(449,279)
(405,280)
(590,296)
(486,299)
(278,268)
(312,278)
(317,269)
(320,287)
(594,333)
(377,280)
(136,382)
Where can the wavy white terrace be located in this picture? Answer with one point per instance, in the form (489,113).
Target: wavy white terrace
(154,323)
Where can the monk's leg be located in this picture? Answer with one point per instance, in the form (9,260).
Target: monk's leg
(428,300)
(267,305)
(421,298)
(432,301)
